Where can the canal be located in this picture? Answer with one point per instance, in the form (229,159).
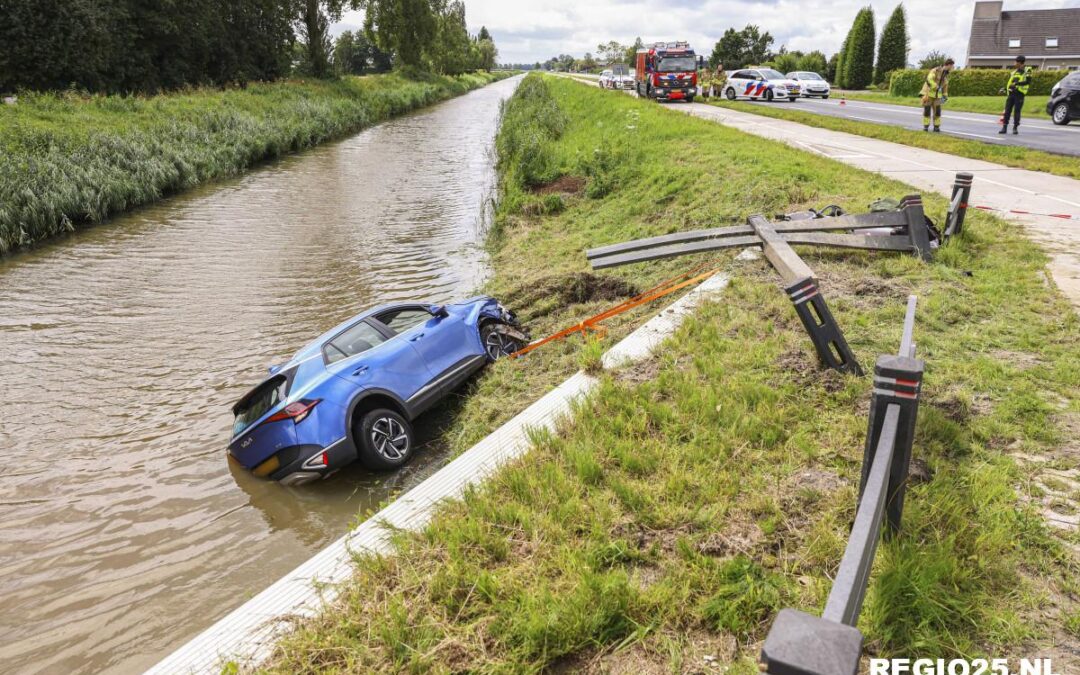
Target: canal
(123,531)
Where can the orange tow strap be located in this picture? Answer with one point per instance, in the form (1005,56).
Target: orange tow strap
(658,291)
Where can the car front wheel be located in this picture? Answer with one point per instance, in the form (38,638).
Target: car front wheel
(730,93)
(1061,114)
(769,96)
(385,440)
(496,343)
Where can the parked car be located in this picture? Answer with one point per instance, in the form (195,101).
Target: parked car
(354,391)
(810,84)
(1064,103)
(760,83)
(607,78)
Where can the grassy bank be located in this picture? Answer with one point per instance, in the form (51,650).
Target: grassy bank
(694,495)
(1009,155)
(67,160)
(1034,106)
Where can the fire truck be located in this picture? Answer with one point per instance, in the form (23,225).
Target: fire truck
(667,71)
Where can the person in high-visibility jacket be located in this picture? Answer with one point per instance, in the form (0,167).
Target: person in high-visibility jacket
(935,91)
(719,79)
(704,78)
(1016,89)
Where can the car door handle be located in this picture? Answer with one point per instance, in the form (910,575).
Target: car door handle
(360,371)
(416,337)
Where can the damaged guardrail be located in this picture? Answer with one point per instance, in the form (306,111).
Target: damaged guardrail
(905,229)
(803,644)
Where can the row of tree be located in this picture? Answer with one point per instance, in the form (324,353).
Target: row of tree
(152,45)
(855,64)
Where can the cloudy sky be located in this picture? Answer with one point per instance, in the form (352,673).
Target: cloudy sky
(526,31)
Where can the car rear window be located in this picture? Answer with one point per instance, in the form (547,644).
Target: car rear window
(258,402)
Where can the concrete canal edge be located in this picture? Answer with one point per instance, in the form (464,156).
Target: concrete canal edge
(247,635)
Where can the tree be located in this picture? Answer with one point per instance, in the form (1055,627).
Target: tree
(786,61)
(451,51)
(859,55)
(840,76)
(737,49)
(813,62)
(933,60)
(830,68)
(632,50)
(143,46)
(484,34)
(314,30)
(611,52)
(893,47)
(403,28)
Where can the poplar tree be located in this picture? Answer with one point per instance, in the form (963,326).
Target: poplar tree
(893,47)
(859,54)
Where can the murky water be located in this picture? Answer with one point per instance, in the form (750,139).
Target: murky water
(122,530)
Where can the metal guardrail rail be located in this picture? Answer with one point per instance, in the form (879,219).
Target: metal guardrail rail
(803,644)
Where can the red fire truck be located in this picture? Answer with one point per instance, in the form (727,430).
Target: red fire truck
(667,71)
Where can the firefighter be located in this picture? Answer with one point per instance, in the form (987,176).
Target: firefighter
(719,79)
(1017,89)
(935,91)
(704,79)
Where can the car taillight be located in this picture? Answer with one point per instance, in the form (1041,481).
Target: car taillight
(296,411)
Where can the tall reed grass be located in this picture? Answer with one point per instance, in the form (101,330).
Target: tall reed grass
(68,159)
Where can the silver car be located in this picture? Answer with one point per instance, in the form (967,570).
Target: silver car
(810,84)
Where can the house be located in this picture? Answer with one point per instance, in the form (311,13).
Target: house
(1049,38)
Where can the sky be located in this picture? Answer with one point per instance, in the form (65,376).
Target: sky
(526,31)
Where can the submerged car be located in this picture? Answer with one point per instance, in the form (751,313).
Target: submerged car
(1064,103)
(810,83)
(760,83)
(353,393)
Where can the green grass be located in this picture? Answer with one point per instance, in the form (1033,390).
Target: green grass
(693,496)
(1034,106)
(1010,155)
(67,160)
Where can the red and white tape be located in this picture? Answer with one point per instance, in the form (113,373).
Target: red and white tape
(1062,216)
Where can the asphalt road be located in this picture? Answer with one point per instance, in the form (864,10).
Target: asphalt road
(1035,134)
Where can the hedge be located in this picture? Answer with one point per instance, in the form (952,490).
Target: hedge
(971,82)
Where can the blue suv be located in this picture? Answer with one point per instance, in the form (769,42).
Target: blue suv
(354,392)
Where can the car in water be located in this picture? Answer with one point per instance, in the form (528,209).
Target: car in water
(1064,103)
(354,392)
(761,84)
(810,83)
(607,80)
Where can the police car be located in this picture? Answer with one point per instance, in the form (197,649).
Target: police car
(760,84)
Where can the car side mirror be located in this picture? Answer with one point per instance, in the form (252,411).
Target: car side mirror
(439,310)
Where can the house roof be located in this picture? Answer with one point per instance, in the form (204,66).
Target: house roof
(990,35)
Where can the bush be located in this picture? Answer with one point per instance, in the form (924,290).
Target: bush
(971,82)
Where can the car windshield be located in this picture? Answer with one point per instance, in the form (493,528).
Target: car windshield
(809,76)
(674,64)
(771,74)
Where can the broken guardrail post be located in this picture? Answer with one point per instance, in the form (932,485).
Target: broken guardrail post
(824,332)
(799,643)
(958,204)
(801,286)
(917,230)
(897,382)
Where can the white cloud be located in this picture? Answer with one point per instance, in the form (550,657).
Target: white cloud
(537,30)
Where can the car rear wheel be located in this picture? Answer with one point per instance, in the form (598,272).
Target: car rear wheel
(1061,114)
(729,93)
(496,343)
(385,440)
